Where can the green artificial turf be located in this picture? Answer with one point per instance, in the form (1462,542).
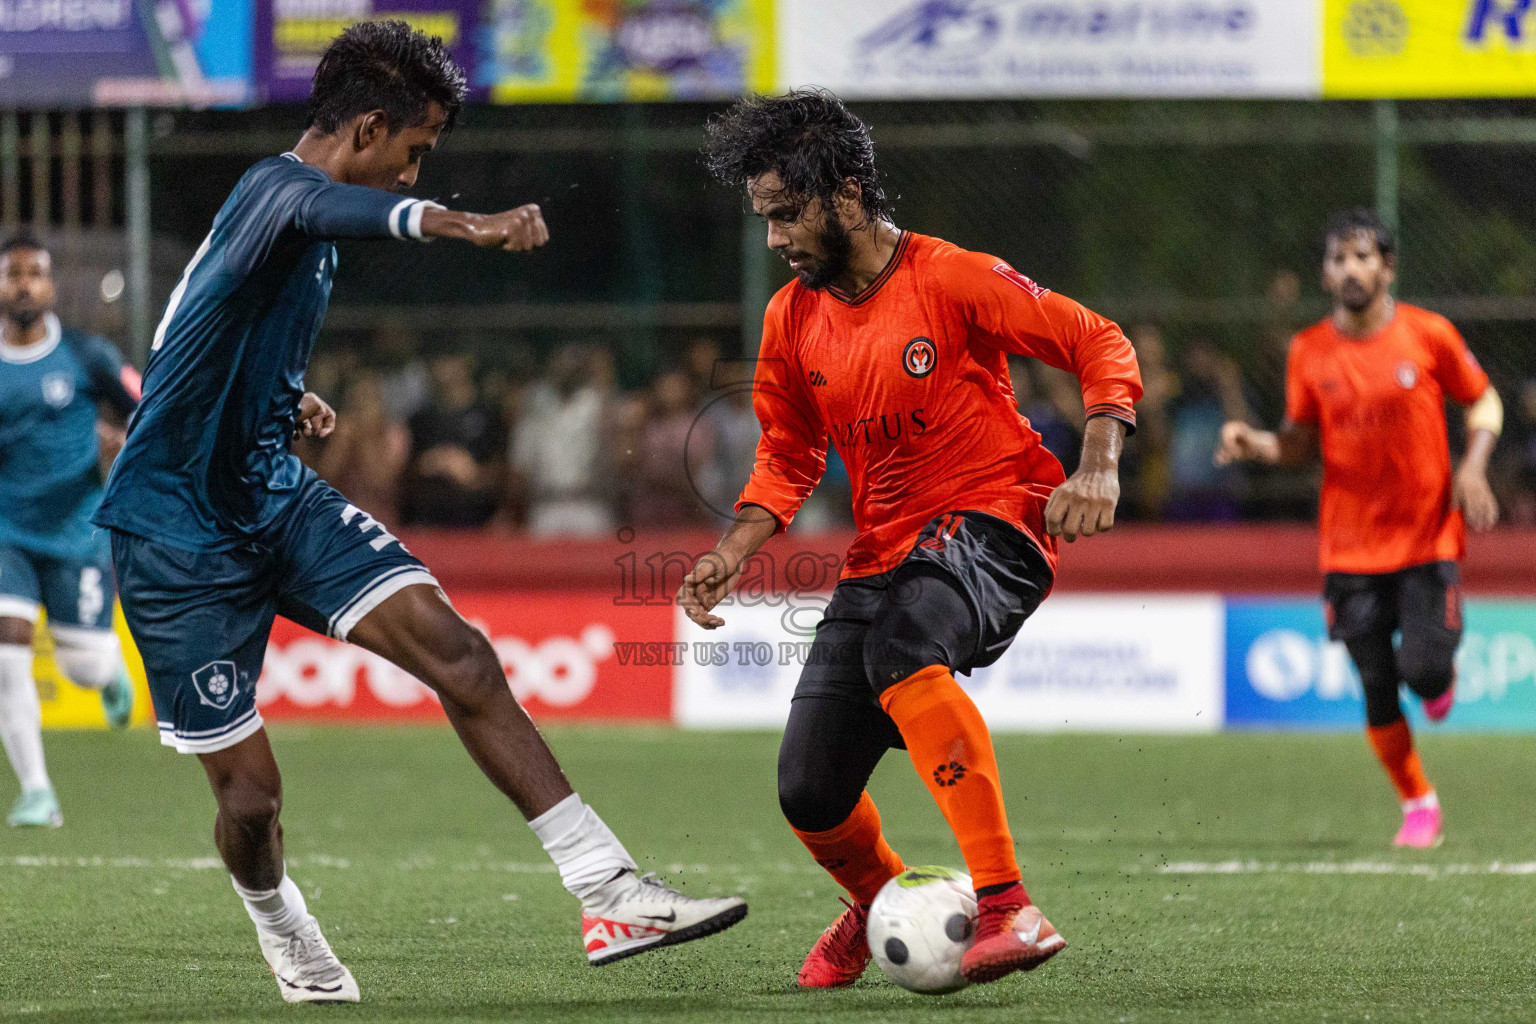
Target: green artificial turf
(1221,878)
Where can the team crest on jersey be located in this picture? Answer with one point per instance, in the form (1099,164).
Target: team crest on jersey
(1407,375)
(215,684)
(919,357)
(58,389)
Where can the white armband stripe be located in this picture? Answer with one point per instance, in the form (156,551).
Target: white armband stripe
(413,222)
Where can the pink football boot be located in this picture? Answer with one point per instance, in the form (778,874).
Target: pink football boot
(1436,710)
(1421,824)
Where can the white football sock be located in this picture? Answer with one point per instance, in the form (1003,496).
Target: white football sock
(21,717)
(587,853)
(280,911)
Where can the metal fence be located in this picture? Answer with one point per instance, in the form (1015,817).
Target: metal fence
(1198,219)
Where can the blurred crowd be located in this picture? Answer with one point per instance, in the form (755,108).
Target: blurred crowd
(436,439)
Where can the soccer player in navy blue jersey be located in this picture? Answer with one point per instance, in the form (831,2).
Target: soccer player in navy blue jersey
(55,383)
(217,527)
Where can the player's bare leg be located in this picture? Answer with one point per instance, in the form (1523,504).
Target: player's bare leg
(249,791)
(418,630)
(623,914)
(21,727)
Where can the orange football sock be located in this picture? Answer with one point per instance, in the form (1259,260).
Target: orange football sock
(855,852)
(952,751)
(1394,749)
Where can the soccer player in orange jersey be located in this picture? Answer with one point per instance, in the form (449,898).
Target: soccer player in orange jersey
(895,346)
(1367,388)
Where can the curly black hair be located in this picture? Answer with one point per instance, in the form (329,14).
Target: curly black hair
(1356,220)
(808,137)
(388,66)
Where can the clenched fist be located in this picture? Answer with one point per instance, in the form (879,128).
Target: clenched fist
(316,418)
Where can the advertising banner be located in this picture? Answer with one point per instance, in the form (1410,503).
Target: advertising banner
(1148,663)
(608,50)
(1429,48)
(1282,672)
(74,53)
(292,34)
(566,656)
(879,49)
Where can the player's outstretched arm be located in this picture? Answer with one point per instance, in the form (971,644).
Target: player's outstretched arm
(716,574)
(1085,504)
(518,230)
(1469,490)
(332,210)
(1292,445)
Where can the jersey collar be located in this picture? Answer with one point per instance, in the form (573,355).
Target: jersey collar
(877,283)
(32,353)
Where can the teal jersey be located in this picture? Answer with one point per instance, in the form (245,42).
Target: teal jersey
(49,397)
(209,465)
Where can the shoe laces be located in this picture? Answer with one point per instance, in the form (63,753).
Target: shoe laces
(311,955)
(992,918)
(847,939)
(656,888)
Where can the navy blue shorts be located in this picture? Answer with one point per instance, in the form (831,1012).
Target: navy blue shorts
(201,618)
(77,592)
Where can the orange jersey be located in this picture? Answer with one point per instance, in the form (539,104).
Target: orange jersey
(1379,403)
(910,381)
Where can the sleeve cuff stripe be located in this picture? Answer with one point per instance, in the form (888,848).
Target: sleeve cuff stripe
(1125,416)
(397,217)
(1110,409)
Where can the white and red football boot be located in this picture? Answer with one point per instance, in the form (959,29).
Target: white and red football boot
(632,914)
(306,969)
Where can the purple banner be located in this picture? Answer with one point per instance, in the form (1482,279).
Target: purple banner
(292,34)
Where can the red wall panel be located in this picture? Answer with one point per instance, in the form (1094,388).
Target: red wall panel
(1226,559)
(563,654)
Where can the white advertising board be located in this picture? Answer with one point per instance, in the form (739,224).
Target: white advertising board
(1142,663)
(923,49)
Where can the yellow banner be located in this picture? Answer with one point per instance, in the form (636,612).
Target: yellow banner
(1409,49)
(67,706)
(537,51)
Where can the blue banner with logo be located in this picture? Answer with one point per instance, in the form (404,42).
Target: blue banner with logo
(1282,671)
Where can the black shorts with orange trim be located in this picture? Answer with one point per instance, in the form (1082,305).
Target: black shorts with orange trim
(1421,600)
(958,599)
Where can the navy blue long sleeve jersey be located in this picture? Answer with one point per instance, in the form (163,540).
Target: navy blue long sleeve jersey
(209,464)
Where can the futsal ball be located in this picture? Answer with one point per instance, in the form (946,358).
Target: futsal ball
(920,925)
